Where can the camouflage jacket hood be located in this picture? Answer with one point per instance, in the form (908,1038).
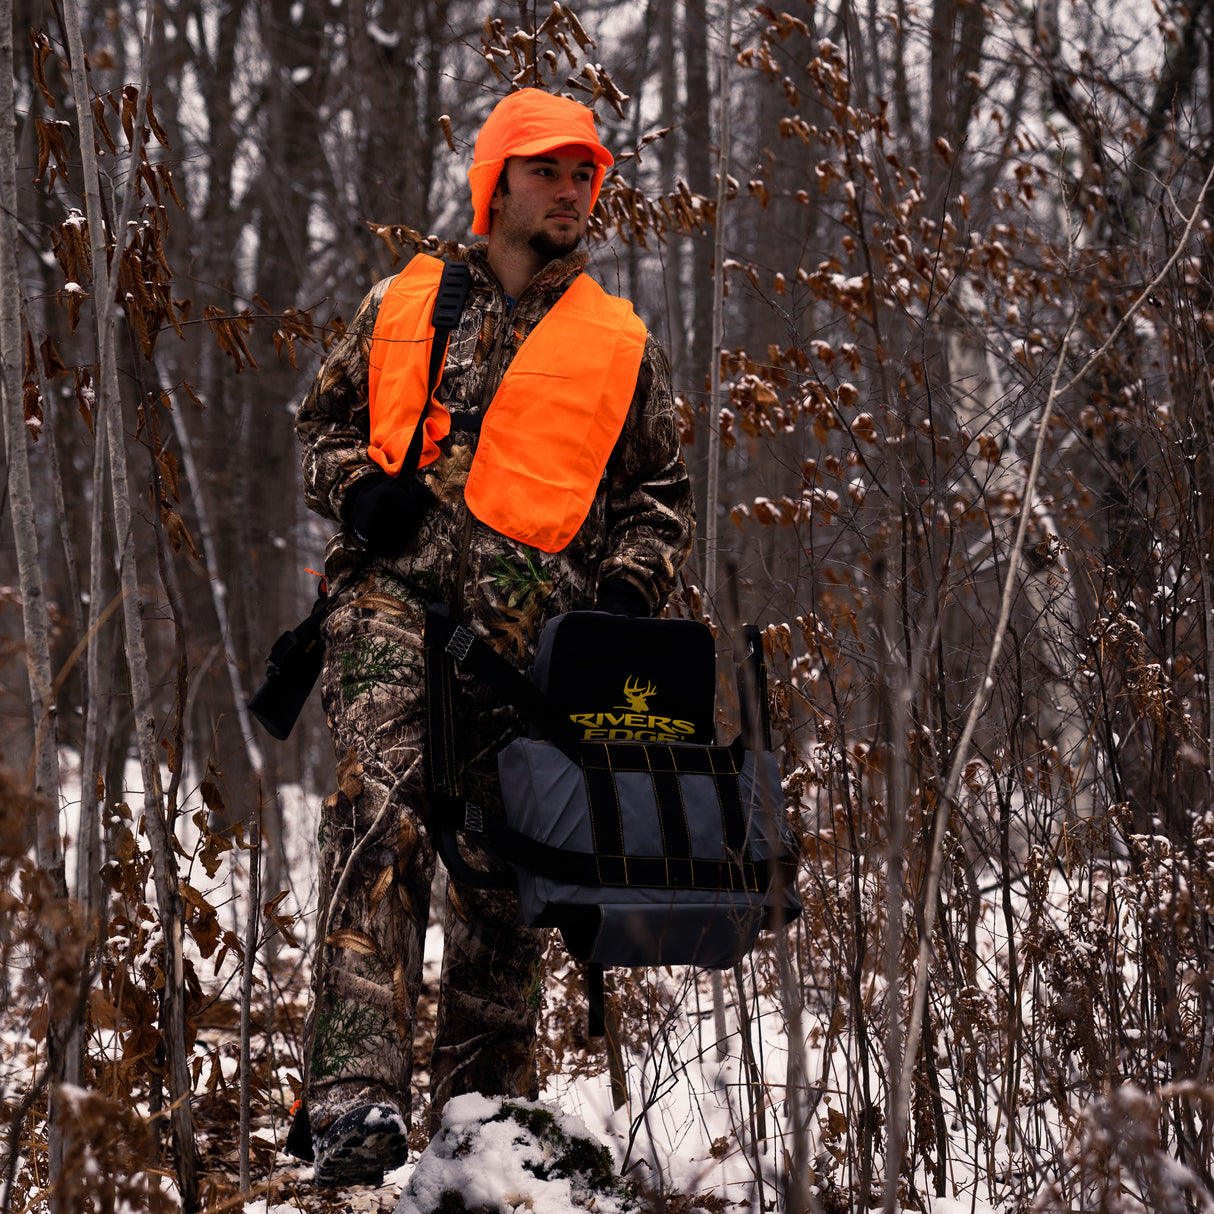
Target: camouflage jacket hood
(639,525)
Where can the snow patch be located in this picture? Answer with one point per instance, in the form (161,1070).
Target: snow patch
(513,1154)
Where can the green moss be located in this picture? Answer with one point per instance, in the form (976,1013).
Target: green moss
(583,1158)
(571,1157)
(540,1122)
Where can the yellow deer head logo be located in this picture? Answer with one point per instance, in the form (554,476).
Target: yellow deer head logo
(638,696)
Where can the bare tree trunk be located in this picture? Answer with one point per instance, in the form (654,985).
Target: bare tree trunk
(676,328)
(958,32)
(240,694)
(713,479)
(168,893)
(246,1006)
(632,254)
(34,615)
(698,145)
(896,662)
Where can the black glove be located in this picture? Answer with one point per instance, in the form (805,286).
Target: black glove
(621,597)
(385,514)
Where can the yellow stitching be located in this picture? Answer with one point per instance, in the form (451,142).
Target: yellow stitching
(618,812)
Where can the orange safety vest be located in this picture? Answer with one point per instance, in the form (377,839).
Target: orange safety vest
(547,434)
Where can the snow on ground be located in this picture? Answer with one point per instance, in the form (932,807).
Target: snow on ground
(684,1128)
(686,1125)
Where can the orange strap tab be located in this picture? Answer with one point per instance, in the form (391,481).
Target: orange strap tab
(548,433)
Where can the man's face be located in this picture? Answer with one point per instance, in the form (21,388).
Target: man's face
(544,201)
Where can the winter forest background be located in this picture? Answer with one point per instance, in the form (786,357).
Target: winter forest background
(937,285)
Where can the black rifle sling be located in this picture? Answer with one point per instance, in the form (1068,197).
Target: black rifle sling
(441,760)
(448,308)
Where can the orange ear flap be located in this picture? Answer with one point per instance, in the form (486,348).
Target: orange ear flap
(483,178)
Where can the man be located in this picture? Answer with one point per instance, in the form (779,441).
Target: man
(572,495)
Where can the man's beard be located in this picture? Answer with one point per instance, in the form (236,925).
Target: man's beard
(550,247)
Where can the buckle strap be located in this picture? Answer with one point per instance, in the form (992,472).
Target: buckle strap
(460,644)
(618,871)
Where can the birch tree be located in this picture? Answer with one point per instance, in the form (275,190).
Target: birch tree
(109,412)
(19,491)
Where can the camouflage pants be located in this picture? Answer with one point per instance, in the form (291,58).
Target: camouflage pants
(376,867)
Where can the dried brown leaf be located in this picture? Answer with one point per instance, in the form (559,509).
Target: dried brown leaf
(176,530)
(157,129)
(102,126)
(166,178)
(52,143)
(189,391)
(444,122)
(130,100)
(284,923)
(42,52)
(212,797)
(52,365)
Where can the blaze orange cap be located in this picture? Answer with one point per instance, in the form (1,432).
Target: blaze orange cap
(529,123)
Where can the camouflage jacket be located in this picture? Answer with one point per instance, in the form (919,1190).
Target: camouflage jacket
(639,526)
